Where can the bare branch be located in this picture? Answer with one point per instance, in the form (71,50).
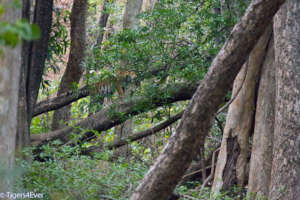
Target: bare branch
(139,135)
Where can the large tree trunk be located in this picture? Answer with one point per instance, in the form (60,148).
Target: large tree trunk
(10,64)
(285,181)
(233,155)
(74,68)
(34,55)
(261,156)
(177,155)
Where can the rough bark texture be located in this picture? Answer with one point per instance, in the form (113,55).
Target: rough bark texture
(239,121)
(10,63)
(261,156)
(177,155)
(33,60)
(110,116)
(285,181)
(74,68)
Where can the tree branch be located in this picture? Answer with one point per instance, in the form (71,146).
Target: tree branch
(60,101)
(115,114)
(139,135)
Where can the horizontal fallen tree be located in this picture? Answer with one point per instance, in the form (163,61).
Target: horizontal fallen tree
(117,113)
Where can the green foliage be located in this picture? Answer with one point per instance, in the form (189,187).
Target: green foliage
(67,175)
(11,33)
(174,44)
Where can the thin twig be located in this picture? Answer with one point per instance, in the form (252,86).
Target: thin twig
(211,172)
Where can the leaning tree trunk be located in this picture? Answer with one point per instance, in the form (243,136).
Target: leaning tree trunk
(177,155)
(233,155)
(10,63)
(261,156)
(74,68)
(285,181)
(34,55)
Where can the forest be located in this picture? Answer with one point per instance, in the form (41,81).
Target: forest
(150,99)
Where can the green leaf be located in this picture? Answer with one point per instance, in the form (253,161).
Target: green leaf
(10,38)
(1,10)
(36,34)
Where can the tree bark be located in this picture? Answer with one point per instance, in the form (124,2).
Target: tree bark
(23,135)
(261,156)
(130,17)
(233,156)
(177,155)
(10,63)
(74,68)
(285,181)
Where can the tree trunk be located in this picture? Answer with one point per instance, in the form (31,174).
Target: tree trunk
(10,63)
(261,156)
(103,22)
(132,10)
(34,55)
(23,135)
(285,181)
(177,155)
(74,68)
(233,156)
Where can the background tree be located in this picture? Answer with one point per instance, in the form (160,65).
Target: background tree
(34,54)
(74,69)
